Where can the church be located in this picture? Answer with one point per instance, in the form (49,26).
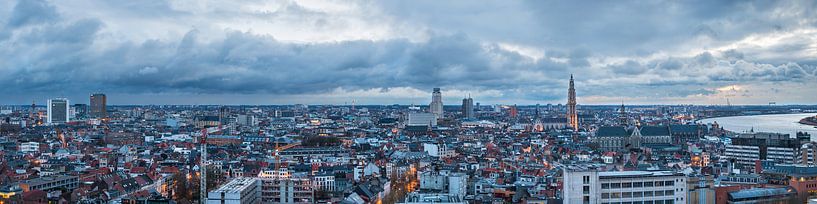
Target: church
(615,138)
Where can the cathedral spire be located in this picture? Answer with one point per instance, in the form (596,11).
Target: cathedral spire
(572,116)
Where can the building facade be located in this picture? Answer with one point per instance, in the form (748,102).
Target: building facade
(468,108)
(237,191)
(436,105)
(58,111)
(99,106)
(750,148)
(589,186)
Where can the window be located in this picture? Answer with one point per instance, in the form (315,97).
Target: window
(627,195)
(605,186)
(615,195)
(648,184)
(669,202)
(605,195)
(586,179)
(637,194)
(668,192)
(669,183)
(648,202)
(647,193)
(637,185)
(659,193)
(615,185)
(586,199)
(659,183)
(586,189)
(626,185)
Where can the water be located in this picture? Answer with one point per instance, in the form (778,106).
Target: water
(779,123)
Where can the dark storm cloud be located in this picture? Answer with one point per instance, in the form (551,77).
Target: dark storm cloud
(247,63)
(613,48)
(31,12)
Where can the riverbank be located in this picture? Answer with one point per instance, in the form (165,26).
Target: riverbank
(811,120)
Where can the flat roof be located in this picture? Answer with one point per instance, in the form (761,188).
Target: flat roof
(236,185)
(632,174)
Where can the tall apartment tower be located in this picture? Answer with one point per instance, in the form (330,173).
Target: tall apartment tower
(572,115)
(468,108)
(99,103)
(57,111)
(436,106)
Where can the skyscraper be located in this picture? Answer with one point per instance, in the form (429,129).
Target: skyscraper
(572,116)
(57,111)
(99,107)
(436,106)
(468,107)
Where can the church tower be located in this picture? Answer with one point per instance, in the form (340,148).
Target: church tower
(572,116)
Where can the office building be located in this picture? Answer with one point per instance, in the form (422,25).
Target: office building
(591,186)
(436,106)
(468,108)
(58,112)
(99,107)
(238,191)
(282,187)
(245,120)
(748,149)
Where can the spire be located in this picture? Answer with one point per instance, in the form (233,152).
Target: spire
(572,116)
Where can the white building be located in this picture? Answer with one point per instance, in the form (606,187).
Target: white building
(423,198)
(589,186)
(422,119)
(282,187)
(58,111)
(451,184)
(439,150)
(324,182)
(245,120)
(30,147)
(237,191)
(436,105)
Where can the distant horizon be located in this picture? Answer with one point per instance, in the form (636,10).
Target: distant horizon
(423,105)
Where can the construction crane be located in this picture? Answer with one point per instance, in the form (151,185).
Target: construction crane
(203,166)
(277,151)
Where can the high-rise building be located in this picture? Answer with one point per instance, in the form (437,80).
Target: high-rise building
(436,106)
(57,111)
(99,104)
(572,115)
(592,186)
(468,107)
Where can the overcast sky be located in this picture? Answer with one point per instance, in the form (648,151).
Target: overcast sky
(385,52)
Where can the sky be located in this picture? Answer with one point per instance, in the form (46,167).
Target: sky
(396,52)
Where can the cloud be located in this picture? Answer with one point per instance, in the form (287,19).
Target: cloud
(515,52)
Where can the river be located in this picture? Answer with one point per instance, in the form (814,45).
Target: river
(780,123)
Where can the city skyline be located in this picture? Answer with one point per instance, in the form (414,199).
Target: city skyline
(288,52)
